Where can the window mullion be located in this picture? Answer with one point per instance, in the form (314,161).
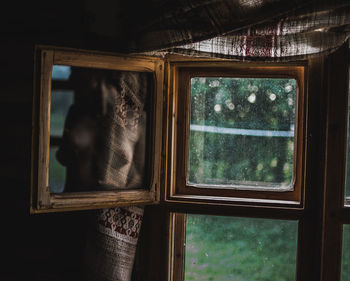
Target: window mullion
(335,153)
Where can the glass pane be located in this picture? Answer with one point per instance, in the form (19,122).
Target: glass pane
(61,72)
(242,132)
(228,248)
(347,176)
(345,267)
(57,172)
(98,129)
(61,100)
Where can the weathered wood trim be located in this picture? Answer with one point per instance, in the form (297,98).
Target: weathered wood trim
(44,129)
(177,246)
(236,210)
(120,62)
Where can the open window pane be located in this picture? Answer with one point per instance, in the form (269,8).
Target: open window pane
(98,126)
(231,248)
(97,130)
(242,133)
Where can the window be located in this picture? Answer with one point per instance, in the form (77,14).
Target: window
(237,133)
(223,137)
(251,155)
(97,130)
(236,170)
(225,231)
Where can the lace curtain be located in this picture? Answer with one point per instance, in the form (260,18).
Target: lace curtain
(104,148)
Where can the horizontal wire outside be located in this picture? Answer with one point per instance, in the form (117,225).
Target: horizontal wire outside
(242,132)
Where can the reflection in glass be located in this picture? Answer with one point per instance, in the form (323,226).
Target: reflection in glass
(242,132)
(61,72)
(57,172)
(61,100)
(98,129)
(229,248)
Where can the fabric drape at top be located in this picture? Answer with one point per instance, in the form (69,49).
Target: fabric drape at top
(244,29)
(297,37)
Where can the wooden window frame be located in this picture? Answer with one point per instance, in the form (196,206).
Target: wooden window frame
(321,219)
(179,74)
(41,198)
(319,209)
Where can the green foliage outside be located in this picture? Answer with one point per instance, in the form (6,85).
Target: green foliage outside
(240,249)
(242,103)
(345,269)
(237,249)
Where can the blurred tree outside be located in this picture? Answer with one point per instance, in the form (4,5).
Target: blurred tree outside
(257,105)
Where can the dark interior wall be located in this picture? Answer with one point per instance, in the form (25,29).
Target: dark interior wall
(47,246)
(32,244)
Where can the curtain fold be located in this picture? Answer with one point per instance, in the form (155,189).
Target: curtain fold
(267,47)
(244,29)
